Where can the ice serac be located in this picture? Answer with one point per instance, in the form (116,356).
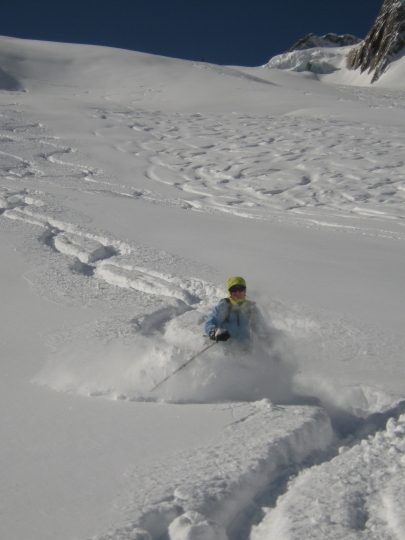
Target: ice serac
(312,41)
(384,41)
(321,55)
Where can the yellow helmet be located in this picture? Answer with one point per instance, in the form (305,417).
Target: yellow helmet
(235,281)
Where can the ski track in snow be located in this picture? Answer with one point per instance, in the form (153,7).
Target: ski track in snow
(209,488)
(243,165)
(364,499)
(89,252)
(84,268)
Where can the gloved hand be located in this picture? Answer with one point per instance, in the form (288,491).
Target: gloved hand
(219,334)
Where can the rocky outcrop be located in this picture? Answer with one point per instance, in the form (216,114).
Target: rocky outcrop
(384,41)
(329,40)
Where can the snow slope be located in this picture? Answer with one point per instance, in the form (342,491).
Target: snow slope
(132,186)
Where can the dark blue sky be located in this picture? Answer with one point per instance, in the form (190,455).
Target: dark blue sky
(234,32)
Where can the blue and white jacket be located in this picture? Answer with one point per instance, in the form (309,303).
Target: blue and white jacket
(239,319)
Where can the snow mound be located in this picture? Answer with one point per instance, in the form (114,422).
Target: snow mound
(194,526)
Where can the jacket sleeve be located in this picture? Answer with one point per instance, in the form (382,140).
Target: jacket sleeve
(215,318)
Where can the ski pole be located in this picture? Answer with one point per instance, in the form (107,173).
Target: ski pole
(184,365)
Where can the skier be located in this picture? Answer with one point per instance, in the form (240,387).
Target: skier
(237,318)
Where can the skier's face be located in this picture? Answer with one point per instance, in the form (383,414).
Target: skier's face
(238,293)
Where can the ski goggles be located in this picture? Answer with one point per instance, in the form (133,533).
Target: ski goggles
(237,288)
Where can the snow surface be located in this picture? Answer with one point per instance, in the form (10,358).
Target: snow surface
(131,187)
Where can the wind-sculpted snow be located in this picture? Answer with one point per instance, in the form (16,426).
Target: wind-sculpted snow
(247,165)
(242,165)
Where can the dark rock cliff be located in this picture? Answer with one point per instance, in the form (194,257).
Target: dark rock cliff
(384,41)
(329,40)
